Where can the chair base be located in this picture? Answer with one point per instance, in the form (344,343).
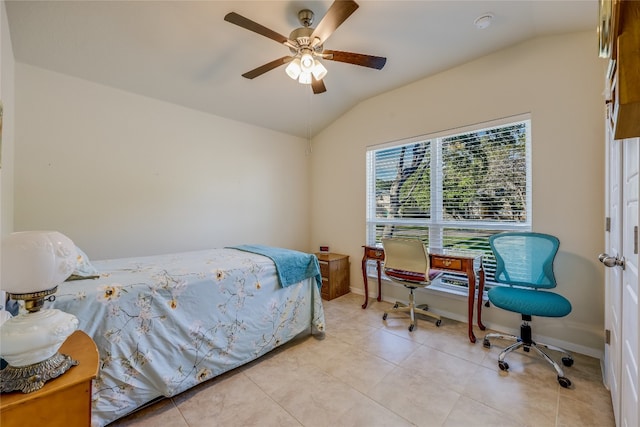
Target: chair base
(412,309)
(525,341)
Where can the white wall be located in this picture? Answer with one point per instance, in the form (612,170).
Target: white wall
(560,81)
(124,175)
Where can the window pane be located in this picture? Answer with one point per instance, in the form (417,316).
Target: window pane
(485,175)
(403,181)
(396,230)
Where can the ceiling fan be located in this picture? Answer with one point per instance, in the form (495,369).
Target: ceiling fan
(307,45)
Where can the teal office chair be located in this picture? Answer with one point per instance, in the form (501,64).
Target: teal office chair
(406,261)
(524,262)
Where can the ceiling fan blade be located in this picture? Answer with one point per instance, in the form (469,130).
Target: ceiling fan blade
(339,11)
(317,86)
(250,25)
(370,61)
(266,67)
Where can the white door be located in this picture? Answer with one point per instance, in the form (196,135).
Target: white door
(621,295)
(613,276)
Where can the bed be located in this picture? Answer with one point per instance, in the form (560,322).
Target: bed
(165,323)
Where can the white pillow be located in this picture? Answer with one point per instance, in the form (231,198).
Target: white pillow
(84,267)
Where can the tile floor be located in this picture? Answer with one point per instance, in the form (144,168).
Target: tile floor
(366,372)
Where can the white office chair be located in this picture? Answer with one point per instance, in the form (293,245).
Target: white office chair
(406,261)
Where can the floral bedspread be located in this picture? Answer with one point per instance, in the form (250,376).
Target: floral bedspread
(165,323)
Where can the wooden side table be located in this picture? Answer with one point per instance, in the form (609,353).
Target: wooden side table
(334,269)
(62,402)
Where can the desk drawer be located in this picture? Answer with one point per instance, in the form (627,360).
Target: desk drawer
(374,253)
(446,263)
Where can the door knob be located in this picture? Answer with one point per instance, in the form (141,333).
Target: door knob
(611,261)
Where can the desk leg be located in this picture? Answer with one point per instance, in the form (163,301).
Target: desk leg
(480,292)
(366,284)
(379,282)
(471,300)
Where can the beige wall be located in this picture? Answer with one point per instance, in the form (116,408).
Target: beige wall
(7,65)
(123,175)
(560,81)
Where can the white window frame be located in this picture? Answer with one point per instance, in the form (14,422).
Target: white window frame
(436,223)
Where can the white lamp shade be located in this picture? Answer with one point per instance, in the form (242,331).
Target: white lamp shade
(35,261)
(293,69)
(306,62)
(319,71)
(305,78)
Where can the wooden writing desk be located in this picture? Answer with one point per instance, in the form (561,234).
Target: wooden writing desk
(444,260)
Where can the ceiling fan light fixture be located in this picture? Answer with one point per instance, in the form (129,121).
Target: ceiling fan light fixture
(307,62)
(293,70)
(319,71)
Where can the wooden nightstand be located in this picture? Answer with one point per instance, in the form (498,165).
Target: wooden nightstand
(334,269)
(62,402)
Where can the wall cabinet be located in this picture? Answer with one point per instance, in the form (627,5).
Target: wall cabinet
(619,40)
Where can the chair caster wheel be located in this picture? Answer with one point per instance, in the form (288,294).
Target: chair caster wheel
(564,382)
(438,322)
(411,328)
(504,366)
(395,305)
(486,343)
(384,316)
(567,361)
(424,307)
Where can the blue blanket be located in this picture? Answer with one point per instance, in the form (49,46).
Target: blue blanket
(292,266)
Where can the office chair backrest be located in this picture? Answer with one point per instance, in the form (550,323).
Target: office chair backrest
(524,258)
(406,254)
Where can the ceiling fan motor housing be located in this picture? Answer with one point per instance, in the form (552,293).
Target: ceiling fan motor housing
(302,36)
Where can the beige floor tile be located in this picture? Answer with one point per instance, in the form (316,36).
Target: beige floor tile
(572,412)
(361,370)
(386,345)
(531,402)
(469,413)
(163,412)
(442,368)
(234,401)
(420,401)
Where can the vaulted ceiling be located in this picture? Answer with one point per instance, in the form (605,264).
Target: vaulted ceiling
(184,52)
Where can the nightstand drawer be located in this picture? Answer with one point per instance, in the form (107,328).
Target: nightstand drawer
(334,269)
(324,269)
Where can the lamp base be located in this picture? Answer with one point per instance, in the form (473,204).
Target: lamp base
(32,377)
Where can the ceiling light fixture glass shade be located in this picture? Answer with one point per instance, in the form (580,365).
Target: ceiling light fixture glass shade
(293,69)
(307,62)
(305,78)
(34,263)
(319,71)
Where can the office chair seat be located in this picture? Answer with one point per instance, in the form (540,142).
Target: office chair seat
(530,302)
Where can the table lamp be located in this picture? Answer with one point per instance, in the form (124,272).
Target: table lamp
(34,263)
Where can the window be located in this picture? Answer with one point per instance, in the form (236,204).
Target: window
(452,189)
